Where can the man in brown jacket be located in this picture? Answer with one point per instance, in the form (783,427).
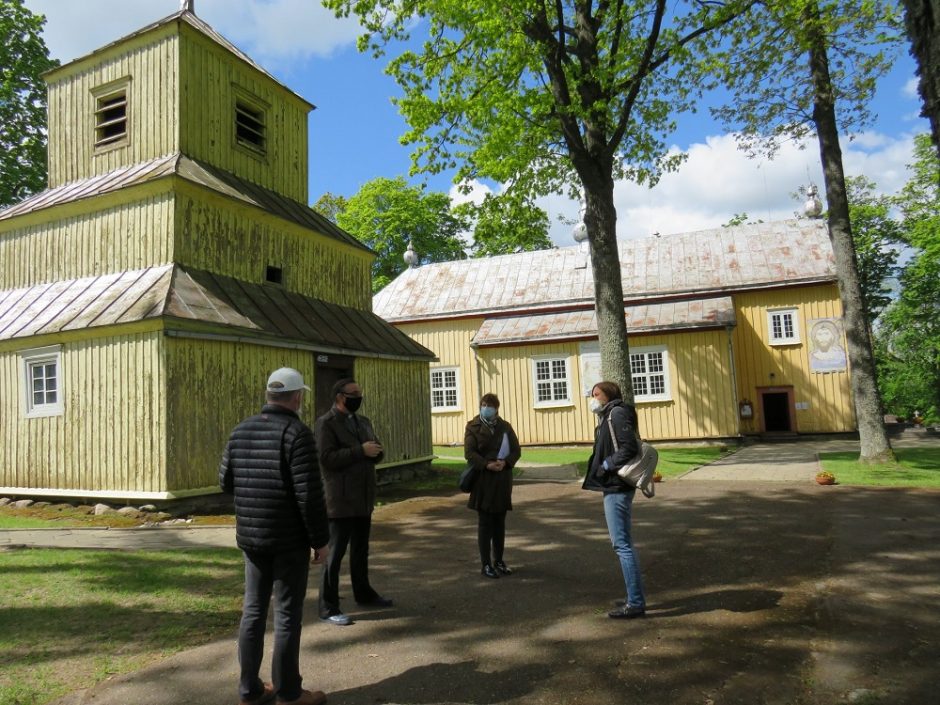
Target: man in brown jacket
(348,453)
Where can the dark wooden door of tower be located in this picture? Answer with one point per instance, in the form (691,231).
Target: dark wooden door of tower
(329,370)
(777,409)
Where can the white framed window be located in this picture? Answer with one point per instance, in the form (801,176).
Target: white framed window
(649,373)
(551,381)
(783,326)
(445,389)
(111,114)
(41,371)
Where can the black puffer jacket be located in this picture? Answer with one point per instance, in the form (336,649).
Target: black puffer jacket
(623,419)
(270,465)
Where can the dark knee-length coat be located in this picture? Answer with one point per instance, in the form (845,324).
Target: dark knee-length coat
(492,491)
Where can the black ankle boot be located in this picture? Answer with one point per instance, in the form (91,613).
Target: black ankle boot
(488,572)
(502,568)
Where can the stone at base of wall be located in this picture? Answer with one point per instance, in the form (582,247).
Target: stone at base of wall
(403,473)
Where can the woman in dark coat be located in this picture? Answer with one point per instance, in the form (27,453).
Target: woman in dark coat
(491,446)
(611,453)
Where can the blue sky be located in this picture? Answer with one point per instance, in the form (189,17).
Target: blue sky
(354,132)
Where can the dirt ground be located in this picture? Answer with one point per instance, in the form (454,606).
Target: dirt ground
(759,593)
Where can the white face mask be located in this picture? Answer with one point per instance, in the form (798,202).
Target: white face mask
(595,406)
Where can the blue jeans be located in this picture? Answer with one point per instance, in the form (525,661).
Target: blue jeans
(284,575)
(617,507)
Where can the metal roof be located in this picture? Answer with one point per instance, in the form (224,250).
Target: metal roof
(222,304)
(687,264)
(199,25)
(581,324)
(194,171)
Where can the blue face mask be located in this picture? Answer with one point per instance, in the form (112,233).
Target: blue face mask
(488,413)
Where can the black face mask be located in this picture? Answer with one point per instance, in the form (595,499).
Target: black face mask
(353,404)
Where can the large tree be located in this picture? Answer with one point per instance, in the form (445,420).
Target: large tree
(543,97)
(505,224)
(922,18)
(387,214)
(23,59)
(825,57)
(909,331)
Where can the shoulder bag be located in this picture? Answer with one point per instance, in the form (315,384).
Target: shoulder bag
(638,471)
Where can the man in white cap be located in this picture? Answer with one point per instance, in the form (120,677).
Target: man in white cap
(270,466)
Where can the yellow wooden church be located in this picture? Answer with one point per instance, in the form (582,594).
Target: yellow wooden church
(731,331)
(171,264)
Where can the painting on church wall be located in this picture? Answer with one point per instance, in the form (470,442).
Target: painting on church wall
(826,345)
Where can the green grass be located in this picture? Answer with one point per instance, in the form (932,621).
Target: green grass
(916,467)
(69,619)
(672,461)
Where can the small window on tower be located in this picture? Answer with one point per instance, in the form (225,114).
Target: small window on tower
(250,129)
(111,113)
(275,275)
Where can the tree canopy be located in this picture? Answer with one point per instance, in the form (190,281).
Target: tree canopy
(560,97)
(23,59)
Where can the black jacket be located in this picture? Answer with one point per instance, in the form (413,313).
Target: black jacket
(270,465)
(624,420)
(348,475)
(491,491)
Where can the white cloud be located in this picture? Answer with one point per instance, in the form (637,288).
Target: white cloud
(271,31)
(478,191)
(718,181)
(910,88)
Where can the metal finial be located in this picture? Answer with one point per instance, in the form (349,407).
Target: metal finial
(411,258)
(580,231)
(188,6)
(813,206)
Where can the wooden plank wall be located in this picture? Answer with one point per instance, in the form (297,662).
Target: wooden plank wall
(127,236)
(209,76)
(220,236)
(211,386)
(397,399)
(110,436)
(153,108)
(828,395)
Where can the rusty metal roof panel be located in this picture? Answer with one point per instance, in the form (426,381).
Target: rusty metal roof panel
(122,177)
(173,292)
(575,325)
(687,264)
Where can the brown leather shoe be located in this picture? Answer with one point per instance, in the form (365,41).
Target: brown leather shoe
(267,695)
(317,697)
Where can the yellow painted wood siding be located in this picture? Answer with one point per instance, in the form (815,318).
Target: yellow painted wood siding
(211,386)
(828,395)
(209,76)
(450,341)
(218,235)
(702,405)
(111,434)
(126,236)
(151,63)
(397,400)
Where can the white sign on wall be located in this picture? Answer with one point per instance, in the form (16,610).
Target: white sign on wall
(590,356)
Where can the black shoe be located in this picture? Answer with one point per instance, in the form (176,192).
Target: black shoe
(489,572)
(502,568)
(627,613)
(336,617)
(377,601)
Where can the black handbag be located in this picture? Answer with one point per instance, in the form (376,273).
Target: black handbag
(467,478)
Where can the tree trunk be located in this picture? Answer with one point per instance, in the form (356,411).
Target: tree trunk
(600,217)
(922,18)
(868,409)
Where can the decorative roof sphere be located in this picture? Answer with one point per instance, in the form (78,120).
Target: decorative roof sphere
(410,257)
(580,232)
(813,206)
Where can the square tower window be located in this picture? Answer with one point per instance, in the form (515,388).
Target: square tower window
(111,113)
(274,275)
(250,129)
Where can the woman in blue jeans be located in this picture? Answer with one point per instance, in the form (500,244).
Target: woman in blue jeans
(610,453)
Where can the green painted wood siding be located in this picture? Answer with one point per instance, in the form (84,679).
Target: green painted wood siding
(397,400)
(77,242)
(210,80)
(239,241)
(110,434)
(211,386)
(152,67)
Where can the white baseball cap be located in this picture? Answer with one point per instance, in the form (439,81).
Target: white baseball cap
(286,379)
